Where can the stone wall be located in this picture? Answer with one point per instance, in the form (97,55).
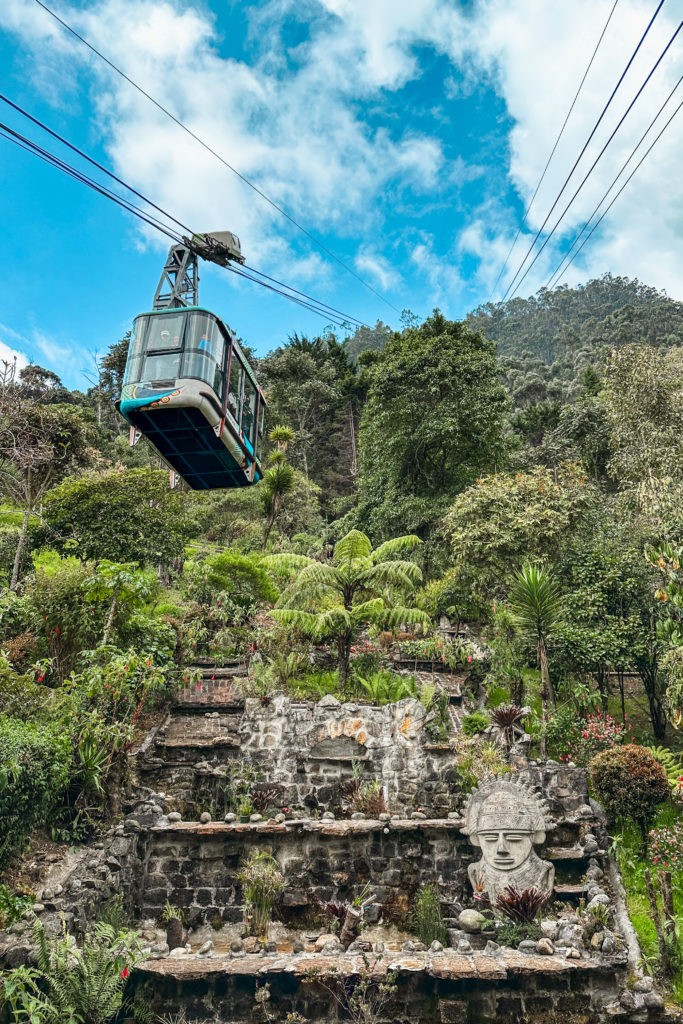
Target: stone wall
(308,751)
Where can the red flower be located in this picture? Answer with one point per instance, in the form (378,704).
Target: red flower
(57,630)
(469,657)
(125,972)
(41,677)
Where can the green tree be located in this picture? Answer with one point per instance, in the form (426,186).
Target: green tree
(508,517)
(39,444)
(359,586)
(278,479)
(536,603)
(124,586)
(130,516)
(433,422)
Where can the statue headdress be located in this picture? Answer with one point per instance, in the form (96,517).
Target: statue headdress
(506,804)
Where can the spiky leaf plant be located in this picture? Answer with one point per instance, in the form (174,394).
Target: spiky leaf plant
(522,905)
(261,881)
(429,922)
(359,586)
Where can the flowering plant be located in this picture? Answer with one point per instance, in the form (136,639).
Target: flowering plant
(666,846)
(597,732)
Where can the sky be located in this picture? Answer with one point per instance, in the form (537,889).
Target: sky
(407,136)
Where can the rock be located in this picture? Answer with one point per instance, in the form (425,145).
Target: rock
(160,949)
(464,946)
(175,816)
(322,940)
(255,817)
(358,816)
(280,818)
(418,816)
(549,930)
(328,816)
(597,900)
(205,818)
(331,948)
(230,817)
(436,947)
(38,908)
(627,1000)
(491,946)
(252,944)
(608,944)
(569,933)
(237,946)
(206,948)
(379,947)
(597,940)
(177,952)
(328,701)
(383,817)
(360,946)
(471,921)
(408,947)
(527,946)
(298,946)
(644,984)
(653,1000)
(270,948)
(545,947)
(573,954)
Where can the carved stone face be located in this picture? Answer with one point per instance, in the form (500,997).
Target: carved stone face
(504,849)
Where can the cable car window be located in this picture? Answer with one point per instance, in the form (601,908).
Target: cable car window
(165,332)
(134,361)
(204,351)
(235,389)
(161,366)
(248,409)
(259,436)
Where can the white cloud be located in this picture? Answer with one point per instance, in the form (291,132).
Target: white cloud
(294,121)
(377,268)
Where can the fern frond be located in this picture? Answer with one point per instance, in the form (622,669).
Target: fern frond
(413,616)
(396,546)
(350,548)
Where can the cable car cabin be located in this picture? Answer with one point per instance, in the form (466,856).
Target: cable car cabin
(190,391)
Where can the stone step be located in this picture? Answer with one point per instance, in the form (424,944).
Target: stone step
(211,692)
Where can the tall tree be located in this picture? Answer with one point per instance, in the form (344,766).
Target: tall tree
(433,422)
(39,444)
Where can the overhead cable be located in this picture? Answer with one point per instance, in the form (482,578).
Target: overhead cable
(628,160)
(309,302)
(615,197)
(599,156)
(209,149)
(552,152)
(584,148)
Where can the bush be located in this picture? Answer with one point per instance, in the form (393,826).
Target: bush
(34,771)
(474,723)
(631,783)
(429,922)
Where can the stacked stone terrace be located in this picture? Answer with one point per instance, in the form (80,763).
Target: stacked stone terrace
(176,845)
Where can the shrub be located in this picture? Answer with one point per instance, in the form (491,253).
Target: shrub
(261,882)
(429,922)
(597,732)
(477,761)
(34,770)
(666,846)
(72,984)
(630,782)
(12,905)
(474,723)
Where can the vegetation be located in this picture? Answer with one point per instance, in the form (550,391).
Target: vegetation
(520,473)
(261,881)
(429,922)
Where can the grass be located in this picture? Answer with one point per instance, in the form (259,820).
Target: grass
(632,866)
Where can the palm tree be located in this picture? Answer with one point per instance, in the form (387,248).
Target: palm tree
(536,604)
(278,479)
(335,600)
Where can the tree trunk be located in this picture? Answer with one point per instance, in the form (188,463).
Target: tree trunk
(21,544)
(110,622)
(546,683)
(351,927)
(343,658)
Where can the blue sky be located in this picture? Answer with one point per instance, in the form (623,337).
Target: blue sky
(407,135)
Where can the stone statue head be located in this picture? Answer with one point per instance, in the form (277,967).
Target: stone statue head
(506,820)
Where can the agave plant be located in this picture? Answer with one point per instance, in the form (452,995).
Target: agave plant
(359,586)
(522,905)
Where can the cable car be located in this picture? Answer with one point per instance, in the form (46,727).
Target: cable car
(189,389)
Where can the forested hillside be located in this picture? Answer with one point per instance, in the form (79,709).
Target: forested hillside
(520,472)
